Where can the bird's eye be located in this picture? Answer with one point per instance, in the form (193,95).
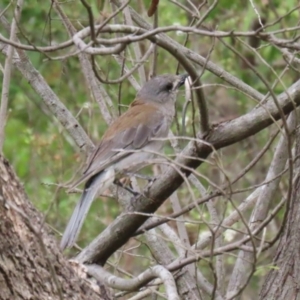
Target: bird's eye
(169,86)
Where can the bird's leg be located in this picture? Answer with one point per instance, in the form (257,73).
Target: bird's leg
(117,182)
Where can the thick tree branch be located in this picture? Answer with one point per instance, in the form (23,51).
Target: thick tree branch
(227,133)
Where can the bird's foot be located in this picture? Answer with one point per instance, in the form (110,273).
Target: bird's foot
(127,188)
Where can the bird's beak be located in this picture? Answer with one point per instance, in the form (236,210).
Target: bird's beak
(182,79)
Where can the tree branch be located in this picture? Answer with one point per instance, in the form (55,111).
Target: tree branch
(120,230)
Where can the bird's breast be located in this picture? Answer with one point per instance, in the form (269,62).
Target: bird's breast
(138,159)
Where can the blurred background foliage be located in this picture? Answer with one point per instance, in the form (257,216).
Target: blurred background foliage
(46,158)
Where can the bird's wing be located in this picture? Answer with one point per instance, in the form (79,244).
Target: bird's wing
(131,131)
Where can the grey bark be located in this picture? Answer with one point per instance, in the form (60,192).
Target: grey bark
(283,281)
(31,266)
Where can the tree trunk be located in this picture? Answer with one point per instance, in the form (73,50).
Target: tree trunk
(283,282)
(31,265)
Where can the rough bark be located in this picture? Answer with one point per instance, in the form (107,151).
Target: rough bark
(283,281)
(31,266)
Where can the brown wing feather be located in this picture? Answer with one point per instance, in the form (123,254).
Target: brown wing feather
(131,131)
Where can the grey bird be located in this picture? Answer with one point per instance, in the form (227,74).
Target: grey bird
(149,117)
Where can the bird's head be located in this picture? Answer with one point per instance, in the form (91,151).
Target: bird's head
(161,89)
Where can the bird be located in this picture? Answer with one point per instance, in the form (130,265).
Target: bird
(131,139)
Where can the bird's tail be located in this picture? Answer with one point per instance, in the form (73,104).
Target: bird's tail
(97,184)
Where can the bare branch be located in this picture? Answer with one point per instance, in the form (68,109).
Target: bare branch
(98,92)
(260,212)
(7,72)
(51,100)
(119,231)
(133,284)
